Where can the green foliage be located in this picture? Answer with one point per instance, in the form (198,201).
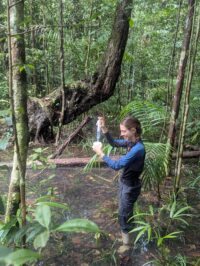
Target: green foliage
(28,68)
(59,205)
(39,160)
(41,240)
(4,252)
(4,100)
(94,162)
(43,215)
(151,116)
(42,225)
(78,225)
(5,120)
(179,215)
(91,164)
(194,184)
(43,219)
(144,76)
(6,230)
(161,221)
(161,226)
(156,164)
(178,260)
(5,140)
(108,256)
(147,225)
(18,257)
(2,208)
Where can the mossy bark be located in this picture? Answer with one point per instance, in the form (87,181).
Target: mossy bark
(18,95)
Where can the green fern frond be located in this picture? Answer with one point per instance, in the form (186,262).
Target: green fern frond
(156,164)
(151,116)
(94,160)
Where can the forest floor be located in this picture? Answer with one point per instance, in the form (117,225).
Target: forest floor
(93,196)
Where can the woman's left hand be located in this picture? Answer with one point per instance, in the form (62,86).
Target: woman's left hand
(97,147)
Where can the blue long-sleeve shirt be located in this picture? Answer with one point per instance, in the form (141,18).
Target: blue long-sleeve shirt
(132,162)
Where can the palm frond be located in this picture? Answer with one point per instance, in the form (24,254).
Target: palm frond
(156,164)
(94,162)
(151,116)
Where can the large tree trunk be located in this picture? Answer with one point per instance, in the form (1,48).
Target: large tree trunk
(18,96)
(82,95)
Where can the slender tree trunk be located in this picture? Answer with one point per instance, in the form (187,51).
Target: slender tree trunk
(33,45)
(62,70)
(186,108)
(87,60)
(18,95)
(181,74)
(46,66)
(179,83)
(172,61)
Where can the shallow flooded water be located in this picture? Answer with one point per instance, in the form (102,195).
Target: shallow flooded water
(89,195)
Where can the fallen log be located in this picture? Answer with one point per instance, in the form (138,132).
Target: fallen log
(70,138)
(188,154)
(76,162)
(192,147)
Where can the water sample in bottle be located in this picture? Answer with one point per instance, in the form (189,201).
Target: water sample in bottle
(98,136)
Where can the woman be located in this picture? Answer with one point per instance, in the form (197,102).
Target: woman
(132,164)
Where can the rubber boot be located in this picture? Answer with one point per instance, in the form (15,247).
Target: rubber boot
(125,238)
(126,243)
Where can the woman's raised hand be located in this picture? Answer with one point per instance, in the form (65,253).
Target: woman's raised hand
(102,124)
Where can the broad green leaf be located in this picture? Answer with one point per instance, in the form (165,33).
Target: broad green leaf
(78,225)
(4,252)
(7,227)
(21,256)
(33,232)
(43,215)
(131,23)
(54,204)
(45,198)
(41,240)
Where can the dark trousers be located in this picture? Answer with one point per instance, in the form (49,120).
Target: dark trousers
(127,197)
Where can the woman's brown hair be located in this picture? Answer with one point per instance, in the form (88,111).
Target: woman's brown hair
(132,122)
